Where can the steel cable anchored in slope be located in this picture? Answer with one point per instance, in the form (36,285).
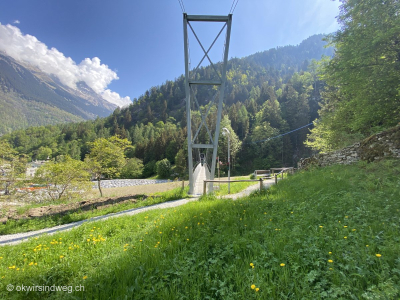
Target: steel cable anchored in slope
(277,136)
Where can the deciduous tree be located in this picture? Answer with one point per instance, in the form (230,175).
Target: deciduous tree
(106,158)
(64,177)
(363,93)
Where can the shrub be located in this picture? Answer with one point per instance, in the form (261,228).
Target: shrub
(163,168)
(149,169)
(133,168)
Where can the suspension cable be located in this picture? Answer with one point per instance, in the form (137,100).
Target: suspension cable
(233,6)
(274,137)
(182,5)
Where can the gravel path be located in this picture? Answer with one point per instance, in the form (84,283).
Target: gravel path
(12,239)
(250,189)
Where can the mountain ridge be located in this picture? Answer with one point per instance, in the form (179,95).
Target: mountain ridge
(34,98)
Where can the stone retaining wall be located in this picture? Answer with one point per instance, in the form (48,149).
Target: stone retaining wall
(378,146)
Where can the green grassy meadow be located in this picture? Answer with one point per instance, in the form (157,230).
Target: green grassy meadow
(25,225)
(330,233)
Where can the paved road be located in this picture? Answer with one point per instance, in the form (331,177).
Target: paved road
(11,239)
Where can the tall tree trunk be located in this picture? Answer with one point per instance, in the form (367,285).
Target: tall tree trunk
(98,184)
(7,191)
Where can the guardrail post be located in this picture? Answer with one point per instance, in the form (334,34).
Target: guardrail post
(261,184)
(282,174)
(204,187)
(276,179)
(183,184)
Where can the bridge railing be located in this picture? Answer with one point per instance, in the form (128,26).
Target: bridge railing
(271,174)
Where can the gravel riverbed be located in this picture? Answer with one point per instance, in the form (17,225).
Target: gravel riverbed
(112,183)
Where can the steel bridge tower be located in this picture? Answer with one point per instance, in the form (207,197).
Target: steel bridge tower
(191,81)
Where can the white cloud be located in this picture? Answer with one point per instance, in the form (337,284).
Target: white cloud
(16,22)
(115,98)
(29,49)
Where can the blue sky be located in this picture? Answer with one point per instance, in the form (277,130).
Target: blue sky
(141,42)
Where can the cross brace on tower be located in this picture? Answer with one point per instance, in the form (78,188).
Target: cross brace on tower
(213,140)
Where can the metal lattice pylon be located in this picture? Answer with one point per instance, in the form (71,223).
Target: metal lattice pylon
(189,82)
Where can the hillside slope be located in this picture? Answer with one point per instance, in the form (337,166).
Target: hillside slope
(267,93)
(329,233)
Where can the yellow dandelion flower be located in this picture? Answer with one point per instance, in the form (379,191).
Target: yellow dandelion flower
(61,256)
(345,226)
(251,264)
(330,253)
(366,245)
(320,226)
(330,261)
(31,263)
(353,229)
(84,277)
(345,237)
(282,264)
(257,289)
(253,286)
(378,255)
(35,264)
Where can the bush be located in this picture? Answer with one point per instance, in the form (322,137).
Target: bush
(163,168)
(149,169)
(133,168)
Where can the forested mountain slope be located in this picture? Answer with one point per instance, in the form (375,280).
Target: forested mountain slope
(267,93)
(29,97)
